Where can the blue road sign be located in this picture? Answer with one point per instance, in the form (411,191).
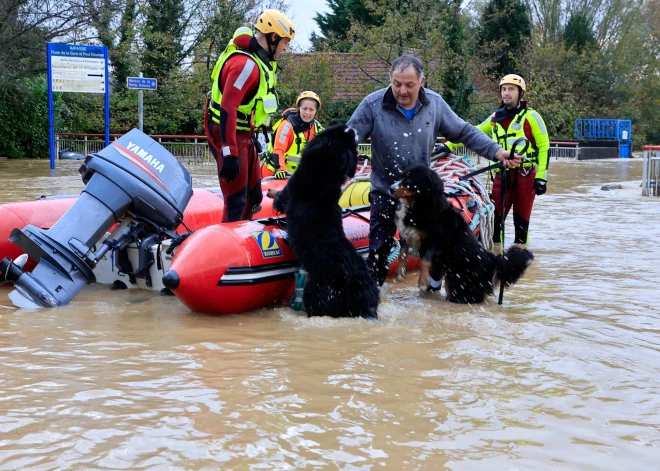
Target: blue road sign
(141,83)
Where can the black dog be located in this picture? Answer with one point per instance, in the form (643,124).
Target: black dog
(428,222)
(339,283)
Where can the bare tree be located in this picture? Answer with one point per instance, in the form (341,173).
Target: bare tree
(610,19)
(25,28)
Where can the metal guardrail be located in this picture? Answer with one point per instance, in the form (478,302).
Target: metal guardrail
(564,150)
(559,150)
(651,171)
(473,156)
(193,150)
(364,149)
(189,150)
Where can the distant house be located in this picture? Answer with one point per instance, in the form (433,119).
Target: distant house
(353,76)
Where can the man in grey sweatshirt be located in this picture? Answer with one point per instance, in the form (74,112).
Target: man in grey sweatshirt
(403,121)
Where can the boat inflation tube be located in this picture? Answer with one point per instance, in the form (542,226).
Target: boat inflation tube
(133,184)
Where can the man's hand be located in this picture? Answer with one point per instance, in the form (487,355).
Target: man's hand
(503,156)
(441,150)
(540,186)
(272,193)
(281,174)
(230,168)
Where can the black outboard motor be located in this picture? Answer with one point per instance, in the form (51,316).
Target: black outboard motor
(134,181)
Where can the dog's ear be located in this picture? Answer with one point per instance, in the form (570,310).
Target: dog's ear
(347,141)
(349,163)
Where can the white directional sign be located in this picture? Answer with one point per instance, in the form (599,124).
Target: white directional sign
(79,69)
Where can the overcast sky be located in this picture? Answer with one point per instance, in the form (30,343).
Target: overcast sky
(302,13)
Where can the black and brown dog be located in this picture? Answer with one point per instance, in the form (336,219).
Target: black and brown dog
(339,283)
(428,222)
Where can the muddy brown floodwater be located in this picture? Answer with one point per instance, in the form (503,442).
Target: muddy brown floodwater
(565,375)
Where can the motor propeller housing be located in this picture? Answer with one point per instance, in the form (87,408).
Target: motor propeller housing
(135,182)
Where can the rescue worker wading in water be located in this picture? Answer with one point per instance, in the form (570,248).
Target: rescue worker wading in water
(290,135)
(242,100)
(513,120)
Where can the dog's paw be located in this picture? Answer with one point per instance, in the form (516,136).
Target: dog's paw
(382,292)
(272,193)
(424,283)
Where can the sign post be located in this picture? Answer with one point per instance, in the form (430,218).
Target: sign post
(77,69)
(140,108)
(141,83)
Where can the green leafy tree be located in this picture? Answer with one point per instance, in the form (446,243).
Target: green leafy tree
(122,58)
(433,30)
(163,37)
(117,27)
(25,28)
(457,89)
(565,85)
(549,71)
(306,72)
(24,117)
(579,34)
(505,28)
(336,24)
(217,23)
(611,20)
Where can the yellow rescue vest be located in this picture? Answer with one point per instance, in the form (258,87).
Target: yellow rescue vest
(293,154)
(258,111)
(506,137)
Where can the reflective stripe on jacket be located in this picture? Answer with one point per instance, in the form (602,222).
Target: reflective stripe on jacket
(292,155)
(537,152)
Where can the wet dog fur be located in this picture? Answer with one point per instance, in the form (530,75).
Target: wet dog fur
(428,222)
(339,283)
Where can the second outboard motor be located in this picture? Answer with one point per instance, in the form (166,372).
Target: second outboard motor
(133,181)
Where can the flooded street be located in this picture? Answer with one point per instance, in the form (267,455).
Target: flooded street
(565,375)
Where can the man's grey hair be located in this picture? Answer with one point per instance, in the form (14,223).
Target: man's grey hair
(401,63)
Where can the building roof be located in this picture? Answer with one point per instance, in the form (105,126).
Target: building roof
(354,75)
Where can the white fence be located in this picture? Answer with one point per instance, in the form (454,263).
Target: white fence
(651,171)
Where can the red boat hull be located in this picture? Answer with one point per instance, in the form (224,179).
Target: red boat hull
(204,209)
(237,267)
